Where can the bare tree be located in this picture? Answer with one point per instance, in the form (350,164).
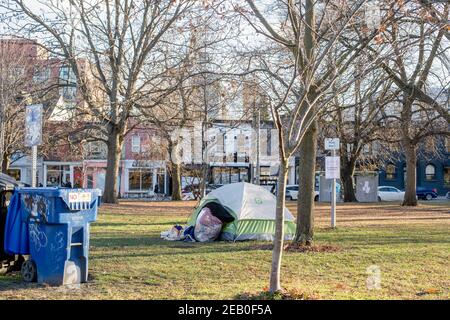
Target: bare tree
(419,67)
(123,41)
(24,79)
(315,60)
(356,117)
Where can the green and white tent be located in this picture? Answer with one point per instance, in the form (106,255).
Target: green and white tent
(253,208)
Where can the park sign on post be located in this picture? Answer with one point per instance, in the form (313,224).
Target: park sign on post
(332,168)
(331,143)
(333,172)
(33,125)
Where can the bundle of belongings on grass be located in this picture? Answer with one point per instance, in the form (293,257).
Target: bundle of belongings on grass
(234,212)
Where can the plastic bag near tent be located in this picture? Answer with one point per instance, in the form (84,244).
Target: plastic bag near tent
(207,227)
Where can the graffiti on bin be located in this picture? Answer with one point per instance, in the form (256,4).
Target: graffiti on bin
(36,206)
(37,237)
(56,247)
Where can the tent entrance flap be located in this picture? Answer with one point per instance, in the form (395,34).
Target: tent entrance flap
(219,212)
(215,206)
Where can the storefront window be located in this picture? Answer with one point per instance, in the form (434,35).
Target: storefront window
(234,175)
(140,179)
(243,175)
(230,175)
(58,176)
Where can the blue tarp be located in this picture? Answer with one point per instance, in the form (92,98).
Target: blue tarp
(16,231)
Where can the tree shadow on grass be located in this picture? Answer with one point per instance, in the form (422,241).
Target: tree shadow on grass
(13,281)
(160,247)
(124,224)
(123,247)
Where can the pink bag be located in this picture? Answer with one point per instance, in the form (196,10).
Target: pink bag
(207,227)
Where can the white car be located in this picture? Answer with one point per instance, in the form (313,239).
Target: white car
(386,193)
(292,192)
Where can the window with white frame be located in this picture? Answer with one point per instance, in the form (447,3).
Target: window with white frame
(430,172)
(41,74)
(136,144)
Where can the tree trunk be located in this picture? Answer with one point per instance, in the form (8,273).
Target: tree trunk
(347,173)
(275,284)
(115,141)
(411,179)
(5,164)
(176,181)
(306,176)
(410,153)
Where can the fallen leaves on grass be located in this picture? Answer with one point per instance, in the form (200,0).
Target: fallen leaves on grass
(428,291)
(295,247)
(284,294)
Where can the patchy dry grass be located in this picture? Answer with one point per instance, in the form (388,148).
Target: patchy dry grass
(129,261)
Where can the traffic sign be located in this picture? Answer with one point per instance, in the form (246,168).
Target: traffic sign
(331,143)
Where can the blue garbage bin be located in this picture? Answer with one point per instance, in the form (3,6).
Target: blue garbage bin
(58,223)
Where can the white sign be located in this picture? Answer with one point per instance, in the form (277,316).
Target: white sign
(332,144)
(33,125)
(366,187)
(332,168)
(77,197)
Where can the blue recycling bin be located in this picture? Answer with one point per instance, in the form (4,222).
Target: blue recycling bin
(58,223)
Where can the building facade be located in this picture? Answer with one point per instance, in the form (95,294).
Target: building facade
(432,172)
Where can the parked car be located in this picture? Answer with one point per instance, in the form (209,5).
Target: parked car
(292,192)
(386,193)
(425,193)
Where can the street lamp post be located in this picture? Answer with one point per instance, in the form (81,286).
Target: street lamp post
(258,147)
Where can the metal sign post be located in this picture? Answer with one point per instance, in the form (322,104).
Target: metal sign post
(33,136)
(332,171)
(333,199)
(34,166)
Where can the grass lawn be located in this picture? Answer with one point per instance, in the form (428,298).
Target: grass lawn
(128,260)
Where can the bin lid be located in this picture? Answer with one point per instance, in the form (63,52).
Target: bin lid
(74,198)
